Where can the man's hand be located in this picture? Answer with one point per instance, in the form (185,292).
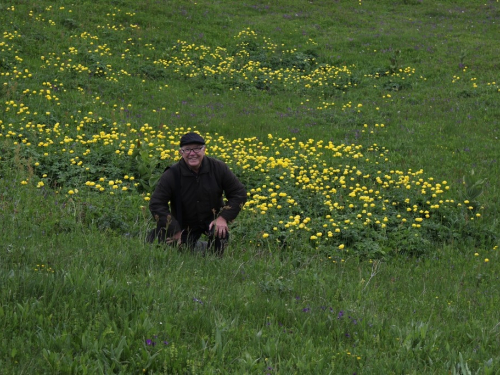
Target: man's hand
(176,238)
(220,225)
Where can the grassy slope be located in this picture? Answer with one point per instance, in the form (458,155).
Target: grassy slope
(253,312)
(292,312)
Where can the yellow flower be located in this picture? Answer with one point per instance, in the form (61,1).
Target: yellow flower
(265,235)
(486,260)
(341,246)
(71,192)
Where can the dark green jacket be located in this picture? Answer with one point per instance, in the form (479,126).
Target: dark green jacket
(202,196)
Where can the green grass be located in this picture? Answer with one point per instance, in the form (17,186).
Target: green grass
(83,301)
(81,292)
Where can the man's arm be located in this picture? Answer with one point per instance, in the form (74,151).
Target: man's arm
(159,204)
(235,193)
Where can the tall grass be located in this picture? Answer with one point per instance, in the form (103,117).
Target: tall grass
(412,86)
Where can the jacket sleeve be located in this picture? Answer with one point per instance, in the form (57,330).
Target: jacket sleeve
(159,203)
(234,192)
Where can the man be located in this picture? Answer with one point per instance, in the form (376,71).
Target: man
(194,189)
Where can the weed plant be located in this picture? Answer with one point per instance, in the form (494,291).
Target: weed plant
(366,135)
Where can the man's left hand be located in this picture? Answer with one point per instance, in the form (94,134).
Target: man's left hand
(220,227)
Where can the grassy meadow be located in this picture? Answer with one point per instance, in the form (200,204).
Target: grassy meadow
(366,134)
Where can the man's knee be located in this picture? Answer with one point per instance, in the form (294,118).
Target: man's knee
(217,245)
(159,234)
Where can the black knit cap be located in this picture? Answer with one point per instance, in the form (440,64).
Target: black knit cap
(190,138)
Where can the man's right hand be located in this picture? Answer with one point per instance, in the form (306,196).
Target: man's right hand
(176,238)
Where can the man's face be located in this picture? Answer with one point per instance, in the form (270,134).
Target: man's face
(193,154)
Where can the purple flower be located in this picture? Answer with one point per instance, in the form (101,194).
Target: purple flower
(150,342)
(341,314)
(307,309)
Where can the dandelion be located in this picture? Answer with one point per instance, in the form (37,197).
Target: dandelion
(341,246)
(265,235)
